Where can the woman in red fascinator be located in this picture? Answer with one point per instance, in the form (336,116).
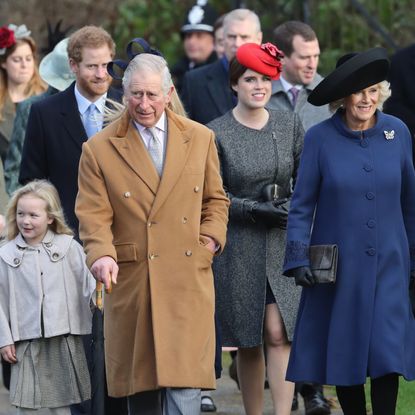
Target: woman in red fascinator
(259,150)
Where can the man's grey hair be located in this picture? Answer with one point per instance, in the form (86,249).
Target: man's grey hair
(149,63)
(240,15)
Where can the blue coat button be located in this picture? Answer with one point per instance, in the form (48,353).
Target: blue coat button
(370,195)
(371,223)
(371,251)
(364,143)
(368,167)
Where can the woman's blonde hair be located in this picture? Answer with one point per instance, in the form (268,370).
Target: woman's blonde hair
(34,87)
(44,190)
(154,64)
(384,94)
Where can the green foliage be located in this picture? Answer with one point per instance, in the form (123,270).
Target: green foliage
(158,22)
(339,25)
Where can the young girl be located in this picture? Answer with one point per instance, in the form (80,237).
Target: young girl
(45,289)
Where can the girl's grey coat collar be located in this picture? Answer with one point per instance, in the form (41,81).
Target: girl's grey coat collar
(55,245)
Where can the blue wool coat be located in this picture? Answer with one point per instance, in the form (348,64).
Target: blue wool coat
(360,188)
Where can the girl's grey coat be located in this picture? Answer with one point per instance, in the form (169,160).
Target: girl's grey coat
(48,282)
(251,159)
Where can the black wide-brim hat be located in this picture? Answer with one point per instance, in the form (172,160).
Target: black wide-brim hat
(354,72)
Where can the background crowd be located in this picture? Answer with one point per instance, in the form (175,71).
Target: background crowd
(263,99)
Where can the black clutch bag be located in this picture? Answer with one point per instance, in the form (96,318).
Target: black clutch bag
(323,263)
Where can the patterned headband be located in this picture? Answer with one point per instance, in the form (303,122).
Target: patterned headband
(143,46)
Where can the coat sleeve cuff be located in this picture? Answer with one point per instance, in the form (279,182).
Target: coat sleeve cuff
(296,255)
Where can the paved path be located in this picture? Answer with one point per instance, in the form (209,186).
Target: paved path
(229,401)
(227,398)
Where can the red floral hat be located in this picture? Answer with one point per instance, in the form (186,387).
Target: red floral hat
(9,34)
(264,59)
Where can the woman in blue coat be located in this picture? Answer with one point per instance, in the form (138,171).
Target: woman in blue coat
(356,189)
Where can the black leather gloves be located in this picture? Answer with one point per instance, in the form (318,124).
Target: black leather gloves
(271,214)
(303,276)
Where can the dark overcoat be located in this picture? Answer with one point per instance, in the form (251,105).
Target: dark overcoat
(53,146)
(206,93)
(401,104)
(360,188)
(251,159)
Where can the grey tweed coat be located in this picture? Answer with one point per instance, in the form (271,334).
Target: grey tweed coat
(251,159)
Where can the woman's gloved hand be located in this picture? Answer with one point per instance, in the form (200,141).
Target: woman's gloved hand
(303,276)
(271,213)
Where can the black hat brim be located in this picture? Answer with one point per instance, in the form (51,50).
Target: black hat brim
(357,73)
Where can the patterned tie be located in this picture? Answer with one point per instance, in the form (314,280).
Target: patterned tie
(155,150)
(91,120)
(294,93)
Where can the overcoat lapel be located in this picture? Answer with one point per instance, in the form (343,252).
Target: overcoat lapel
(220,96)
(71,119)
(178,148)
(131,148)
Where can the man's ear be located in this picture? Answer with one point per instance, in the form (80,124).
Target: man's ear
(169,93)
(73,65)
(259,37)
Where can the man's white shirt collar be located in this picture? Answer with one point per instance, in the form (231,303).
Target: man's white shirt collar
(287,85)
(84,103)
(161,130)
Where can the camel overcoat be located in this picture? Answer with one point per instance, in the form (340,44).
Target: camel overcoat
(159,318)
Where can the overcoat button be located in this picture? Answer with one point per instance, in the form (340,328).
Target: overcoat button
(127,194)
(189,253)
(184,219)
(371,251)
(48,244)
(368,167)
(370,195)
(149,224)
(371,223)
(364,143)
(16,261)
(55,255)
(196,189)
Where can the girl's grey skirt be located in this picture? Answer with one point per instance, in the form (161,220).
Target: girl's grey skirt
(50,373)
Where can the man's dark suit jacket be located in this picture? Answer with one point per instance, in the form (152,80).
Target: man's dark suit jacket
(401,76)
(53,146)
(206,93)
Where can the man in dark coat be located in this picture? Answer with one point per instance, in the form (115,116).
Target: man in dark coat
(206,93)
(198,41)
(402,102)
(56,126)
(59,124)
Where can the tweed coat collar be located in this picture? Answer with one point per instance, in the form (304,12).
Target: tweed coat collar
(130,146)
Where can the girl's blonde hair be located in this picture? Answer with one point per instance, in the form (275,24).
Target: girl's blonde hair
(35,86)
(44,190)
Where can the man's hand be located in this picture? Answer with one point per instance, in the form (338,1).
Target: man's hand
(105,270)
(8,353)
(211,245)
